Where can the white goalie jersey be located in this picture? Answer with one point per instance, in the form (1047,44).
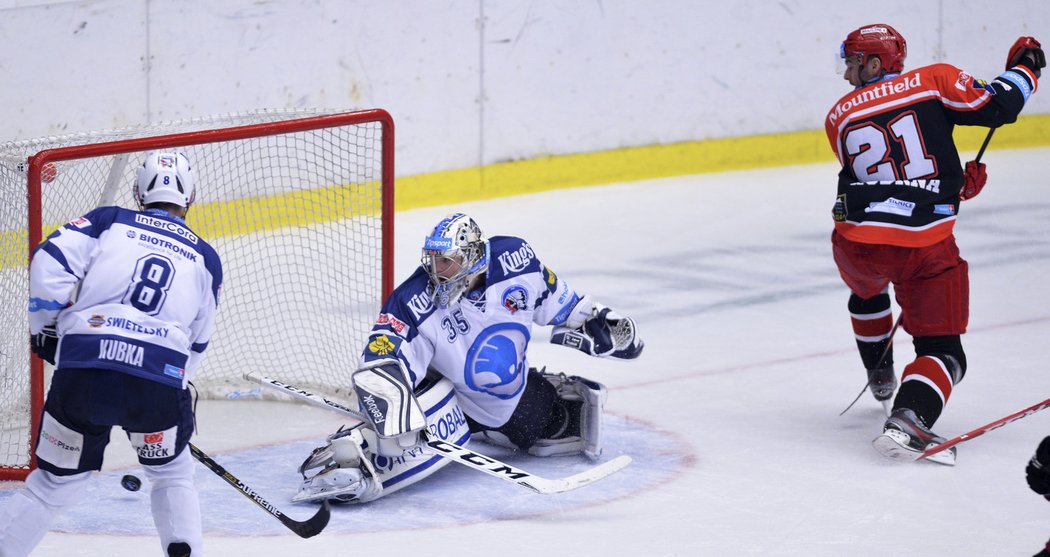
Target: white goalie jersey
(148,293)
(479,343)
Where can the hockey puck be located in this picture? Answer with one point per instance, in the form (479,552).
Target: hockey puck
(131,483)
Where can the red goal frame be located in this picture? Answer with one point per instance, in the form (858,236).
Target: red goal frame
(37,162)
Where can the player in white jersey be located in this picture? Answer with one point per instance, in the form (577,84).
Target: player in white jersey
(448,354)
(147,291)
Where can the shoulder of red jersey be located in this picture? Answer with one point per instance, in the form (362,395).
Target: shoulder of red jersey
(945,83)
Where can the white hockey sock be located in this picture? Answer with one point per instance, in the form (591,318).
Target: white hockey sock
(23,522)
(28,513)
(175,504)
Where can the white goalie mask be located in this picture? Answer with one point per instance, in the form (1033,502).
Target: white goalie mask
(166,177)
(453,254)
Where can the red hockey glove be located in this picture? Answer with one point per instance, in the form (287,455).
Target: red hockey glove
(1027,52)
(974,178)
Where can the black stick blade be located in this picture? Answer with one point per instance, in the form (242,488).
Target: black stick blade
(312,526)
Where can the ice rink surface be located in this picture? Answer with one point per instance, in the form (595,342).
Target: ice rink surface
(731,414)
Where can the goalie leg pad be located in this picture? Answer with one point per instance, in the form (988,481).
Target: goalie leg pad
(385,395)
(581,431)
(352,471)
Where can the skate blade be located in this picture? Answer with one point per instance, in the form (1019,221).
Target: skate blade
(945,457)
(892,445)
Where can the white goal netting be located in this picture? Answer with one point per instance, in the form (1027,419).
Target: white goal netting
(297,218)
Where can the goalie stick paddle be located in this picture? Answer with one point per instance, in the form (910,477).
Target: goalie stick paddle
(984,429)
(463,455)
(305,529)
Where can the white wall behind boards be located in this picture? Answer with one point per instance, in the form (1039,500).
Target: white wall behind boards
(474,82)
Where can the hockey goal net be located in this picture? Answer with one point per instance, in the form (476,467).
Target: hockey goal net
(299,206)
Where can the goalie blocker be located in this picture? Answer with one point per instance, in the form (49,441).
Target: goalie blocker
(352,468)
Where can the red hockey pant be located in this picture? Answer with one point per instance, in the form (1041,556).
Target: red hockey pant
(931,283)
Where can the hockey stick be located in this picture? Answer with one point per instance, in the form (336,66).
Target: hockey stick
(984,429)
(984,145)
(305,529)
(882,358)
(463,455)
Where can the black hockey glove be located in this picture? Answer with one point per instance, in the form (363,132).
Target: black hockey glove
(45,344)
(1037,472)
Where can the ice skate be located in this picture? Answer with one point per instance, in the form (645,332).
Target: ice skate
(882,382)
(904,438)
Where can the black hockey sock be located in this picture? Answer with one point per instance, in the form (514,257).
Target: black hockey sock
(872,323)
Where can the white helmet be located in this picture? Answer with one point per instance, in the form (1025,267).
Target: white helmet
(453,254)
(166,177)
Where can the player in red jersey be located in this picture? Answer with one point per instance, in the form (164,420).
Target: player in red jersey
(898,197)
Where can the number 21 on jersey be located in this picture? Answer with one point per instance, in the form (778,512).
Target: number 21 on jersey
(868,149)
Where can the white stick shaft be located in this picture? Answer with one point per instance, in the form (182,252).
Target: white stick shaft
(463,455)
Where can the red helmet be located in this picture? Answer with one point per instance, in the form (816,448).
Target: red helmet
(877,40)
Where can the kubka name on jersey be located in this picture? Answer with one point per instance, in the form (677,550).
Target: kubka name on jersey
(120,351)
(166,225)
(516,261)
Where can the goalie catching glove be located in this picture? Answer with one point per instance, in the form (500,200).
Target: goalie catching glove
(599,331)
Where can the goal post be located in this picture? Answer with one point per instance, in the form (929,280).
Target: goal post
(299,206)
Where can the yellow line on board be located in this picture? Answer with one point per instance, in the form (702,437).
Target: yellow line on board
(213,220)
(298,208)
(659,161)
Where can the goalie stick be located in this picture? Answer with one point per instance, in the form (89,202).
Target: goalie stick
(984,429)
(463,455)
(305,529)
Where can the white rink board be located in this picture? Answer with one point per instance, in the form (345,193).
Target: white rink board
(473,83)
